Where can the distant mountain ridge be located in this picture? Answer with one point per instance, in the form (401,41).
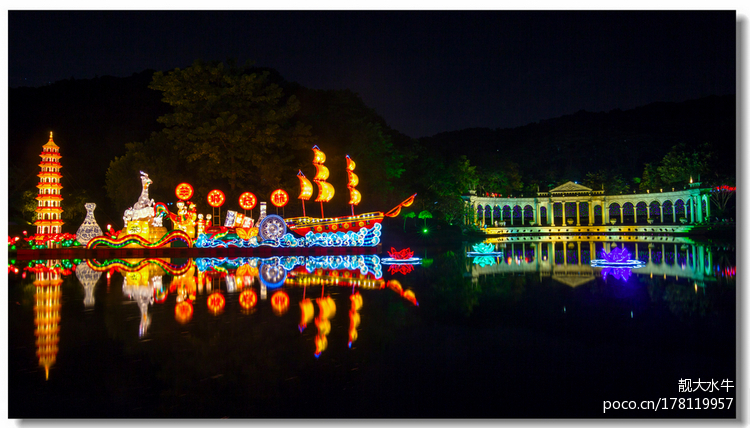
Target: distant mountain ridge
(584,142)
(94,119)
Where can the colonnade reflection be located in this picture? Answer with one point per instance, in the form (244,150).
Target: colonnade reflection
(567,258)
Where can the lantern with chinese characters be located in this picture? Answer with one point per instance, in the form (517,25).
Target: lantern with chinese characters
(248,201)
(279,198)
(216,198)
(183,191)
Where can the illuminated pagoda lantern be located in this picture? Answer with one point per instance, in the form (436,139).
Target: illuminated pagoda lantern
(49,212)
(47,280)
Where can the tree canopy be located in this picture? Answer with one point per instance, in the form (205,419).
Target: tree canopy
(231,123)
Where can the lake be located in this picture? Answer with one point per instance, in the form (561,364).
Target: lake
(527,330)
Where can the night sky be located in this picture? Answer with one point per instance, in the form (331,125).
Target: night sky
(424,72)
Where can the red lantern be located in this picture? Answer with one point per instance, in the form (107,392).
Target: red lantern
(183,312)
(280,302)
(216,198)
(279,198)
(216,302)
(248,299)
(183,191)
(248,201)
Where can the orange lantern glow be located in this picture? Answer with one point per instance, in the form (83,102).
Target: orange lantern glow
(321,172)
(216,198)
(409,295)
(320,157)
(306,307)
(248,201)
(183,312)
(280,302)
(353,179)
(325,191)
(248,299)
(356,301)
(306,188)
(395,286)
(354,196)
(279,198)
(183,191)
(216,302)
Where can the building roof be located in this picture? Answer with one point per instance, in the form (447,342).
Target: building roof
(51,142)
(570,187)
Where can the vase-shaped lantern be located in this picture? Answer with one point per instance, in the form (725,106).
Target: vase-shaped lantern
(89,229)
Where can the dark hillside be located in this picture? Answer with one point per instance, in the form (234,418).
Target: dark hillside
(568,147)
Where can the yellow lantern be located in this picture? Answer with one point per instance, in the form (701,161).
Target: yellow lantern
(306,188)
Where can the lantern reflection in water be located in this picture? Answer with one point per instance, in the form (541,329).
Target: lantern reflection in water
(354,318)
(327,310)
(307,310)
(183,312)
(280,303)
(216,302)
(248,299)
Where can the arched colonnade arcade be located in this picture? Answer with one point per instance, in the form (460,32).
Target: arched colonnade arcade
(574,205)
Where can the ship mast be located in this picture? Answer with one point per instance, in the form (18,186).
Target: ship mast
(325,190)
(355,196)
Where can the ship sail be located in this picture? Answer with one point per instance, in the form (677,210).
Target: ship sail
(325,190)
(355,196)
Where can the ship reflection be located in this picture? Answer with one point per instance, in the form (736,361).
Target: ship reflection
(253,279)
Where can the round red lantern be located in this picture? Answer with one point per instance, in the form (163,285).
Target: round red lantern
(183,191)
(183,312)
(279,198)
(280,302)
(216,198)
(248,201)
(216,302)
(248,298)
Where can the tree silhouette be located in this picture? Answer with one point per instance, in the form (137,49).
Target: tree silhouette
(410,214)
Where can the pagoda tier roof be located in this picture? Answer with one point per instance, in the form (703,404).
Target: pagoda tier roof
(49,210)
(52,197)
(46,154)
(50,164)
(49,174)
(49,186)
(51,142)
